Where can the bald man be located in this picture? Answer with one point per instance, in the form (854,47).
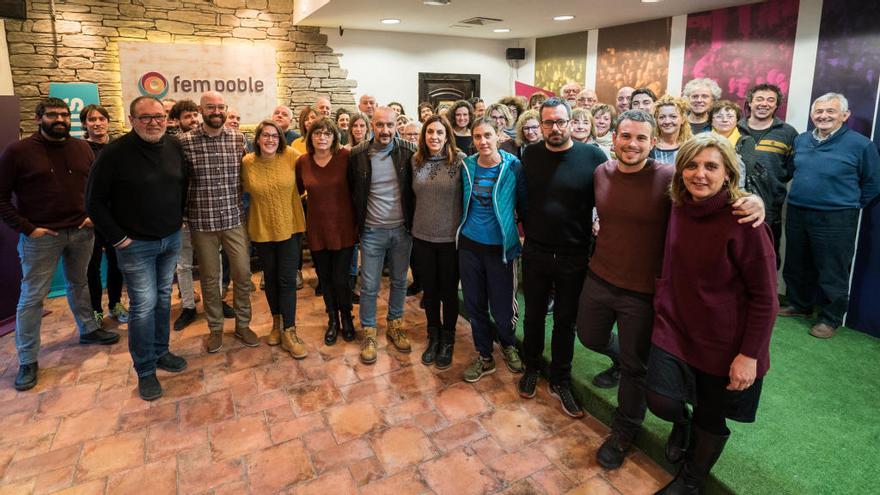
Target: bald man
(624,96)
(367,105)
(213,154)
(283,116)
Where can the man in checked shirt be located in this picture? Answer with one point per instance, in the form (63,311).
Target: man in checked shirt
(214,209)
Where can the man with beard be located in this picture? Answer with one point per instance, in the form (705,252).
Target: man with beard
(381,186)
(558,224)
(47,173)
(701,94)
(569,92)
(136,196)
(186,114)
(774,147)
(633,203)
(215,216)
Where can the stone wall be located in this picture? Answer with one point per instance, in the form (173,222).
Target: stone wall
(79,44)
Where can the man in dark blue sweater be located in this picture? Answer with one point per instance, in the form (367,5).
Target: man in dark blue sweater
(836,174)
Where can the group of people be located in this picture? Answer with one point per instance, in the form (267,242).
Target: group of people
(662,215)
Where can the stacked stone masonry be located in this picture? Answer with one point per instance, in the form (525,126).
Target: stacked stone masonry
(80,45)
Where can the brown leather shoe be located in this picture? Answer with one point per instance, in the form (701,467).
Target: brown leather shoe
(397,335)
(792,311)
(293,344)
(247,336)
(215,341)
(369,346)
(823,331)
(277,326)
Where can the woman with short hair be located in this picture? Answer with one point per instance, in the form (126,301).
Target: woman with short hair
(582,128)
(715,306)
(536,100)
(516,105)
(603,119)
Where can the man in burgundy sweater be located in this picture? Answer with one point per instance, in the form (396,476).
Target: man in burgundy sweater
(633,204)
(47,173)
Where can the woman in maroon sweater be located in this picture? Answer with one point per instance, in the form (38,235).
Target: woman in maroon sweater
(323,173)
(714,306)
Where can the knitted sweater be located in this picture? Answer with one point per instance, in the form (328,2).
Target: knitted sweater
(276,211)
(437,188)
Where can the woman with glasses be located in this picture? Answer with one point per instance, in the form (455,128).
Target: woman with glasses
(670,113)
(436,180)
(322,174)
(462,117)
(501,115)
(276,225)
(358,129)
(582,128)
(754,176)
(603,120)
(488,242)
(528,131)
(306,116)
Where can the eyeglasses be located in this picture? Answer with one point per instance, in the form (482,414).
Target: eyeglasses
(269,137)
(724,116)
(530,128)
(411,134)
(145,119)
(55,115)
(548,124)
(211,108)
(326,134)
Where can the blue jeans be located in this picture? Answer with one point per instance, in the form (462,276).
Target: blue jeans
(39,258)
(148,268)
(375,245)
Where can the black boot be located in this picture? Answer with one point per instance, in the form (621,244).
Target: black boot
(430,353)
(352,283)
(347,326)
(332,327)
(677,443)
(444,351)
(704,451)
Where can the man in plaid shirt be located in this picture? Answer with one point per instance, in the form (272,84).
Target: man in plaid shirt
(215,216)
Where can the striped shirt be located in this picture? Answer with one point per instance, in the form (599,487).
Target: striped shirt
(214,199)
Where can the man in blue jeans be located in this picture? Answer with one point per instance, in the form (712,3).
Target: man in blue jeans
(47,172)
(136,195)
(381,186)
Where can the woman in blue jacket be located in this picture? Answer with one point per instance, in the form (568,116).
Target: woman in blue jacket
(488,243)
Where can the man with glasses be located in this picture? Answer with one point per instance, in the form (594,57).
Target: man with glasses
(411,132)
(558,225)
(569,92)
(701,95)
(215,216)
(586,99)
(381,186)
(47,173)
(136,196)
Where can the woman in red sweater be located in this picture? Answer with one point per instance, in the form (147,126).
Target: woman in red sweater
(714,307)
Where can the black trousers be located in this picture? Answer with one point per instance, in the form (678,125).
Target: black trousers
(332,266)
(114,276)
(280,260)
(543,271)
(437,265)
(601,305)
(818,258)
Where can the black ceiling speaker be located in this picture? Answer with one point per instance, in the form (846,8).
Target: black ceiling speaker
(516,54)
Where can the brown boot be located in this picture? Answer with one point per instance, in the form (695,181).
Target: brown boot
(247,336)
(823,331)
(368,348)
(275,335)
(215,340)
(397,335)
(293,344)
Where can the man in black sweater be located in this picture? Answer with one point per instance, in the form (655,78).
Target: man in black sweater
(135,195)
(558,222)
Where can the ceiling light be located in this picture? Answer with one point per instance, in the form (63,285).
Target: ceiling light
(501,30)
(436,3)
(563,18)
(651,1)
(390,21)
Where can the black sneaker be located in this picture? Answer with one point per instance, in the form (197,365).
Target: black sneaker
(569,404)
(613,451)
(228,312)
(171,362)
(149,387)
(27,376)
(102,337)
(413,289)
(187,316)
(608,378)
(528,384)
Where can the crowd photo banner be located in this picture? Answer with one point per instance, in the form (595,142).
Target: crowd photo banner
(244,74)
(635,55)
(560,59)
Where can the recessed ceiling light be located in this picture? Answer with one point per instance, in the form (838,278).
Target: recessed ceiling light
(651,1)
(563,18)
(437,3)
(390,21)
(501,30)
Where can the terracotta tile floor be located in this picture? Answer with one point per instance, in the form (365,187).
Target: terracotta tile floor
(253,420)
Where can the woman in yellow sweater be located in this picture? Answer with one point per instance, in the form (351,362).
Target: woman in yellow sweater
(276,224)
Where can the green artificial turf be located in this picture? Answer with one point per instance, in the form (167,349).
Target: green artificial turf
(818,425)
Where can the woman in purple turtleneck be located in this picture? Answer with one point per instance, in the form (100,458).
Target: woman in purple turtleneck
(715,305)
